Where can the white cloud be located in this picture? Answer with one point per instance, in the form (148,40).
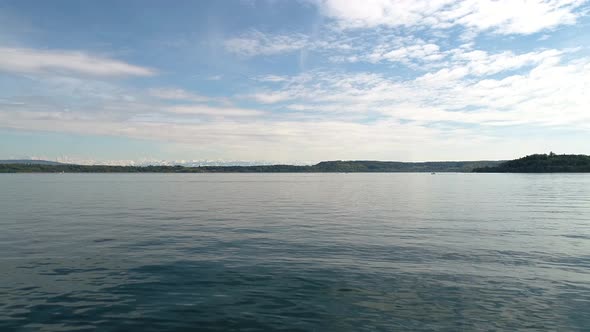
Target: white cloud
(34,60)
(372,13)
(444,76)
(480,63)
(499,16)
(514,16)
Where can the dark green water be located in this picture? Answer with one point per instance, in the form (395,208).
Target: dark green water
(294,252)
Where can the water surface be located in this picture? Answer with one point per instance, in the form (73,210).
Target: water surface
(294,252)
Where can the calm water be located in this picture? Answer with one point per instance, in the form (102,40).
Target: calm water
(294,252)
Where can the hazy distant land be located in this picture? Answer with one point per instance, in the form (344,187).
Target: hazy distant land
(538,163)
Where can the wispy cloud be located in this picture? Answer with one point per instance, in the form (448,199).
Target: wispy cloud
(549,93)
(271,78)
(177,94)
(258,43)
(41,61)
(213,111)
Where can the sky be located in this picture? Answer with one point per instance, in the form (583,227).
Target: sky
(129,82)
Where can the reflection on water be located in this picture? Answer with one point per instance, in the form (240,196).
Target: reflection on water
(323,252)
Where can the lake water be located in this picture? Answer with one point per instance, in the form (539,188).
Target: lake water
(294,252)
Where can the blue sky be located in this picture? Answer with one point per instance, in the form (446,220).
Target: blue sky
(293,81)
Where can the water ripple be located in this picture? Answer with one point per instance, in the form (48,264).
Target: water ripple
(295,252)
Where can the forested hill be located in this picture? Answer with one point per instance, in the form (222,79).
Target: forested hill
(394,166)
(323,167)
(542,163)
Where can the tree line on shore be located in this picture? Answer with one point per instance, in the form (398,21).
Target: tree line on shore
(322,167)
(536,163)
(542,163)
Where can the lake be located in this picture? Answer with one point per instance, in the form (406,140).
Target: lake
(295,252)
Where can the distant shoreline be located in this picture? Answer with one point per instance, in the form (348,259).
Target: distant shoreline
(537,163)
(322,167)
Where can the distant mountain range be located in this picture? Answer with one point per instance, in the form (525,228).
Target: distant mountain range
(185,163)
(30,162)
